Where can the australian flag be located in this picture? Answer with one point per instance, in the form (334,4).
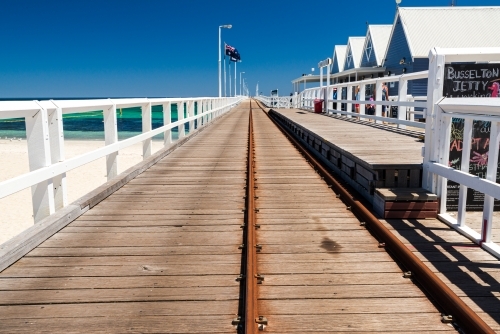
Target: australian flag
(232,53)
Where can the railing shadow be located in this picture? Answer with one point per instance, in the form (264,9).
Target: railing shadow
(467,275)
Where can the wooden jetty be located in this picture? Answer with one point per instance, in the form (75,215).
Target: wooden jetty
(159,255)
(165,252)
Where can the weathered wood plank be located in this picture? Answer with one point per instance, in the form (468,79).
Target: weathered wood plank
(169,238)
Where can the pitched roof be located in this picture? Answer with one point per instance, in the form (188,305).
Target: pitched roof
(449,27)
(355,45)
(380,35)
(340,50)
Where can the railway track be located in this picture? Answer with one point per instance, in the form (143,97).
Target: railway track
(295,284)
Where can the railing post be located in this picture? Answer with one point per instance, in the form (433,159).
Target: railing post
(37,135)
(213,104)
(491,175)
(402,97)
(349,98)
(190,113)
(362,106)
(206,109)
(180,116)
(56,138)
(464,167)
(328,87)
(432,119)
(378,97)
(200,110)
(339,97)
(146,127)
(111,137)
(444,154)
(167,119)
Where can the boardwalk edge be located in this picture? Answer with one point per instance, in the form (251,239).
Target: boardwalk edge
(20,245)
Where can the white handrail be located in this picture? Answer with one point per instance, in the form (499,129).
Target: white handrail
(405,103)
(44,132)
(275,101)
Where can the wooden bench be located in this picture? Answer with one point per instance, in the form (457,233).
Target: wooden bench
(405,203)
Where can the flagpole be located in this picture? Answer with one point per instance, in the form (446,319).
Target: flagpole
(229,71)
(235,77)
(225,76)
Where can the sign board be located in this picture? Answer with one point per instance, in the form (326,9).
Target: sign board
(325,63)
(470,80)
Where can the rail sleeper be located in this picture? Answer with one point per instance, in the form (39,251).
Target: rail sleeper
(405,203)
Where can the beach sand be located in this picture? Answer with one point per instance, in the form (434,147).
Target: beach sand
(16,211)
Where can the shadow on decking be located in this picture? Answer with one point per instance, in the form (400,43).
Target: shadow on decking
(474,277)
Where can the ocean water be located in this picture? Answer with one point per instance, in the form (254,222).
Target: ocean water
(90,125)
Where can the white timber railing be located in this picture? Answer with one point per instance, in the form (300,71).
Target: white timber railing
(45,139)
(442,114)
(406,104)
(276,101)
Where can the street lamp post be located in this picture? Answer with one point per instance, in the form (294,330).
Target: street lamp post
(225,26)
(240,81)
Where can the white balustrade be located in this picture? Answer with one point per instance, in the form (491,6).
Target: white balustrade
(276,101)
(45,139)
(405,103)
(440,114)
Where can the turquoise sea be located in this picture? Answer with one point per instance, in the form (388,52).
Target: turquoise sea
(90,126)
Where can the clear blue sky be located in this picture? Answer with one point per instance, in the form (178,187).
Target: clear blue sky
(141,48)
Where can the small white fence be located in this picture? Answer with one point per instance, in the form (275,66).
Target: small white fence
(276,101)
(45,139)
(406,104)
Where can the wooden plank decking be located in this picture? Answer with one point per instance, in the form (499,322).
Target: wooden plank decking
(323,272)
(159,255)
(471,272)
(368,143)
(367,155)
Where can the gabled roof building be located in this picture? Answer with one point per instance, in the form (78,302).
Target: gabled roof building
(416,30)
(376,40)
(353,52)
(404,46)
(338,58)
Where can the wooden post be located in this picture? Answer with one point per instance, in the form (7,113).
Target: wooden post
(362,106)
(56,138)
(464,167)
(491,175)
(378,97)
(434,94)
(111,137)
(339,97)
(402,97)
(167,119)
(204,111)
(37,134)
(146,127)
(444,157)
(349,98)
(180,117)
